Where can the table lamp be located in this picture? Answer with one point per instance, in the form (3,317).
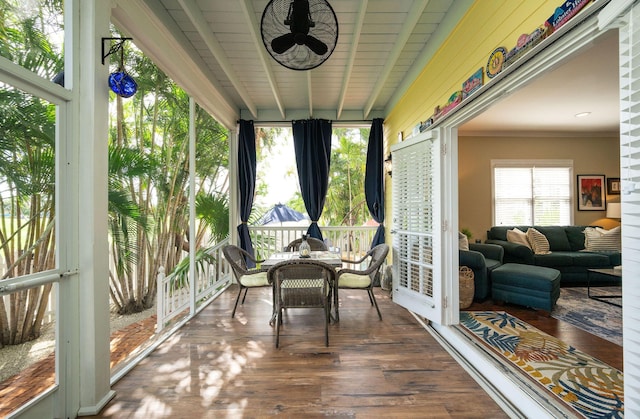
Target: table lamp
(613,210)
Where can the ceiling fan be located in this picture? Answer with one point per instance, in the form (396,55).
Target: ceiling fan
(299,34)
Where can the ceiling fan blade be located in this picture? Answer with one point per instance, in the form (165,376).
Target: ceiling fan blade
(283,43)
(316,45)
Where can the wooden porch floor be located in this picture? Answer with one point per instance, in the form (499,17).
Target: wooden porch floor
(216,366)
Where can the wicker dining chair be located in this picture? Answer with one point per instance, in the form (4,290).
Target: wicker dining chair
(315,244)
(302,283)
(348,278)
(245,277)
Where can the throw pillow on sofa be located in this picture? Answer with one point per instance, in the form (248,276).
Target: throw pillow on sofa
(597,239)
(518,236)
(463,241)
(539,243)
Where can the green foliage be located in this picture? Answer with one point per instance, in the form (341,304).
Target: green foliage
(213,210)
(181,271)
(345,203)
(149,182)
(27,33)
(27,166)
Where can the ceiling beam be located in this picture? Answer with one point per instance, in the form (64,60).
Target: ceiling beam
(158,37)
(253,25)
(196,17)
(357,30)
(413,16)
(445,27)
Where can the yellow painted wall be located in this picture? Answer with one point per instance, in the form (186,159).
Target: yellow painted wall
(592,156)
(487,25)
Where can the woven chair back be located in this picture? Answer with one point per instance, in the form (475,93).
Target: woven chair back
(314,243)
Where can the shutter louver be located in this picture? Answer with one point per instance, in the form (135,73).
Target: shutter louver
(629,34)
(418,282)
(413,183)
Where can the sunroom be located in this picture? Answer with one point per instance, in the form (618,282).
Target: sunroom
(394,60)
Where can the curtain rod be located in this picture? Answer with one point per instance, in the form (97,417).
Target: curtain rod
(343,121)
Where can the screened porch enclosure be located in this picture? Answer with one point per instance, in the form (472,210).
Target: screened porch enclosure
(83,380)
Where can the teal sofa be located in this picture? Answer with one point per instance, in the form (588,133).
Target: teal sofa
(482,259)
(567,253)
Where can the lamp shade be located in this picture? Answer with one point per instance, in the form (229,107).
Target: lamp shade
(613,210)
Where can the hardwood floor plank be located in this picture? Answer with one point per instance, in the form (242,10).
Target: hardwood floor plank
(217,366)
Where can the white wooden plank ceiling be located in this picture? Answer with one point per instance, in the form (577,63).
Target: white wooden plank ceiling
(379,41)
(214,50)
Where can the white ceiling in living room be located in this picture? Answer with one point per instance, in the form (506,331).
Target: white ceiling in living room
(588,82)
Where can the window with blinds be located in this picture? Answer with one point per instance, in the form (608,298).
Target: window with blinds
(532,192)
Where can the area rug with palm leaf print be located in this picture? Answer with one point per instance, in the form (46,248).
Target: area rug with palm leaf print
(587,385)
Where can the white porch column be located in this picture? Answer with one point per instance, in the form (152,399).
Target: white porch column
(91,116)
(192,206)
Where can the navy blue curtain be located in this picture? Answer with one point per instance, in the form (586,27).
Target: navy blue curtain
(246,181)
(312,142)
(374,179)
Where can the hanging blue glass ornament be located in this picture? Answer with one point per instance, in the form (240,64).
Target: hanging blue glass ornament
(122,84)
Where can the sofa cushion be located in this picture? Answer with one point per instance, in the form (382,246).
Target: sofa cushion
(556,236)
(615,258)
(598,239)
(575,234)
(518,236)
(554,259)
(590,260)
(539,243)
(500,232)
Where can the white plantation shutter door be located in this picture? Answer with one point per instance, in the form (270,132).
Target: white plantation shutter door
(416,220)
(630,198)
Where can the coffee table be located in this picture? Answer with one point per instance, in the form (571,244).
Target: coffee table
(616,273)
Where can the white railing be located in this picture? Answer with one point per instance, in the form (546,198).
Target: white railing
(174,294)
(353,242)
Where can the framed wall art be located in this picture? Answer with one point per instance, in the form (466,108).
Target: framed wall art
(591,192)
(613,185)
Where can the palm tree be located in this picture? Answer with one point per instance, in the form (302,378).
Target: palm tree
(27,172)
(345,203)
(155,124)
(126,221)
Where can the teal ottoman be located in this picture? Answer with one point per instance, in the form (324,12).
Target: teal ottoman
(528,285)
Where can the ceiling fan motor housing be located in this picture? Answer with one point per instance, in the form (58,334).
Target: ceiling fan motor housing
(299,34)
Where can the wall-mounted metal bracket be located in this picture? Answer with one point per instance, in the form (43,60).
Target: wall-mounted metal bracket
(117,46)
